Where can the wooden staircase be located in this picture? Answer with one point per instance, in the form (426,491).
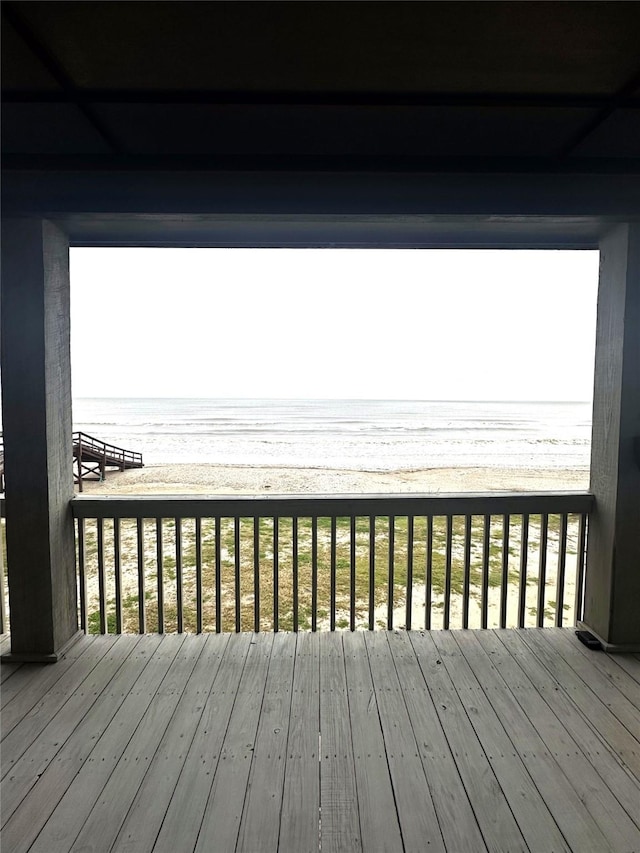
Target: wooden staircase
(91,458)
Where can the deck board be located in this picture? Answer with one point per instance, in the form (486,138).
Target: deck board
(456,741)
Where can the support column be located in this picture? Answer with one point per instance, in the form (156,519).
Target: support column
(36,407)
(612,584)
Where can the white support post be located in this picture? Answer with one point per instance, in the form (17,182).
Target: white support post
(36,404)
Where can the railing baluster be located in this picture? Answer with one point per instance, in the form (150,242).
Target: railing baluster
(314,573)
(466,583)
(504,583)
(256,575)
(218,569)
(117,565)
(372,569)
(332,603)
(447,574)
(276,573)
(198,535)
(580,560)
(236,557)
(428,577)
(352,574)
(294,569)
(179,588)
(82,569)
(409,593)
(391,572)
(102,591)
(524,556)
(542,573)
(160,581)
(562,561)
(326,540)
(142,616)
(486,544)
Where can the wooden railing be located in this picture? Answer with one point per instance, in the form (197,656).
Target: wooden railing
(294,563)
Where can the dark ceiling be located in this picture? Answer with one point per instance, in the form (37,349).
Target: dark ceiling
(420,112)
(322,85)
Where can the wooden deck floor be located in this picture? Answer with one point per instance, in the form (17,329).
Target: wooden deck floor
(458,741)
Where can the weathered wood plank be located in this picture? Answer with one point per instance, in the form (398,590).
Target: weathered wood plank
(338,799)
(23,731)
(378,818)
(60,725)
(144,819)
(608,673)
(223,812)
(78,800)
(530,810)
(179,830)
(7,670)
(103,823)
(21,830)
(583,730)
(35,679)
(594,707)
(588,815)
(478,768)
(39,683)
(260,826)
(299,823)
(630,664)
(458,824)
(416,813)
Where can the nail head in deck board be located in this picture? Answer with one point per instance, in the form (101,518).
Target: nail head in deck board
(338,799)
(179,830)
(26,772)
(43,799)
(109,812)
(144,819)
(77,802)
(609,766)
(458,823)
(223,813)
(378,824)
(417,817)
(299,822)
(614,822)
(620,740)
(527,804)
(260,826)
(557,777)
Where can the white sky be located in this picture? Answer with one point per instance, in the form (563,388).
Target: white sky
(350,323)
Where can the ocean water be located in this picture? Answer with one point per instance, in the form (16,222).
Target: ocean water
(366,435)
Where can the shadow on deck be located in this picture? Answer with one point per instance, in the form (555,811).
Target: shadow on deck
(399,741)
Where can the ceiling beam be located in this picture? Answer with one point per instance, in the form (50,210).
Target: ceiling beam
(619,101)
(46,59)
(329,99)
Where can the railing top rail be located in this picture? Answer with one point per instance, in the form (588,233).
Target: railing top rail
(303,506)
(92,442)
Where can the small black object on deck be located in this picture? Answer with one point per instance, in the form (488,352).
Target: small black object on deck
(589,640)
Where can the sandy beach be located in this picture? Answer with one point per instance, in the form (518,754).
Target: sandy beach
(227,479)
